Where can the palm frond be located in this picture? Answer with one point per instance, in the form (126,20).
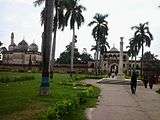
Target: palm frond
(91,23)
(38,2)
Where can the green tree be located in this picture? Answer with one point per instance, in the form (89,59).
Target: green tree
(142,36)
(65,56)
(151,63)
(99,33)
(148,56)
(74,15)
(85,57)
(46,44)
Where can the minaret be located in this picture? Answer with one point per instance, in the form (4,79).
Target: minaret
(12,38)
(120,67)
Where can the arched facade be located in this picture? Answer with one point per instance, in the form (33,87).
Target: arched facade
(111,62)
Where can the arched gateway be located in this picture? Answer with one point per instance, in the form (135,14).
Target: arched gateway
(111,61)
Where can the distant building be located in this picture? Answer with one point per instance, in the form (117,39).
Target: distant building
(1,56)
(110,62)
(22,54)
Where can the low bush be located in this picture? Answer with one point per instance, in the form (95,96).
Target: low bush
(158,91)
(88,93)
(63,108)
(6,79)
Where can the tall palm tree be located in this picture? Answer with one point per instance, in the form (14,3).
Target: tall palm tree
(142,36)
(58,23)
(99,32)
(46,45)
(73,15)
(103,46)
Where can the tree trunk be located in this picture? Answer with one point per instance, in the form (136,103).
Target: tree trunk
(46,44)
(135,61)
(142,62)
(54,45)
(72,51)
(97,66)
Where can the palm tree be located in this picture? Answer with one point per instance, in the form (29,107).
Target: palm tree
(58,23)
(103,49)
(73,15)
(46,44)
(142,36)
(133,49)
(99,32)
(103,45)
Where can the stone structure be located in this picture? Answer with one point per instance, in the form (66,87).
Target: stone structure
(111,60)
(21,53)
(120,75)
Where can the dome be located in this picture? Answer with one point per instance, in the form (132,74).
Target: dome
(23,46)
(12,47)
(113,49)
(33,47)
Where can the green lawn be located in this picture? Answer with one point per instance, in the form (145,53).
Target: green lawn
(20,100)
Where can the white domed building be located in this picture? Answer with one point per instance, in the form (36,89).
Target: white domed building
(111,61)
(21,54)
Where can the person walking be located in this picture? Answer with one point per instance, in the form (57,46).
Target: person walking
(133,82)
(151,81)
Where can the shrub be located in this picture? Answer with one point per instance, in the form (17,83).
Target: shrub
(65,107)
(85,94)
(61,109)
(6,79)
(158,91)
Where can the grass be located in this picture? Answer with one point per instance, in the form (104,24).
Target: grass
(19,99)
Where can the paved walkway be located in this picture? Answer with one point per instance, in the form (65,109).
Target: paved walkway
(117,103)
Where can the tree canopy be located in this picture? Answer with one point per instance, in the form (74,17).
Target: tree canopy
(64,57)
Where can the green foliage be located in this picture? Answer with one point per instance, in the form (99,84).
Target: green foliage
(19,98)
(65,107)
(148,56)
(65,57)
(85,57)
(87,94)
(6,79)
(158,91)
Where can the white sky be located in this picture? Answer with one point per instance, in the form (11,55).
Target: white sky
(22,18)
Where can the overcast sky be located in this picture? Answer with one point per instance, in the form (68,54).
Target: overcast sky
(22,18)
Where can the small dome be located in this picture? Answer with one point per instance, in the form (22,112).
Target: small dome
(12,47)
(113,49)
(23,46)
(33,47)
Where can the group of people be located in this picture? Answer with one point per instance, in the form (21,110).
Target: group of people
(148,78)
